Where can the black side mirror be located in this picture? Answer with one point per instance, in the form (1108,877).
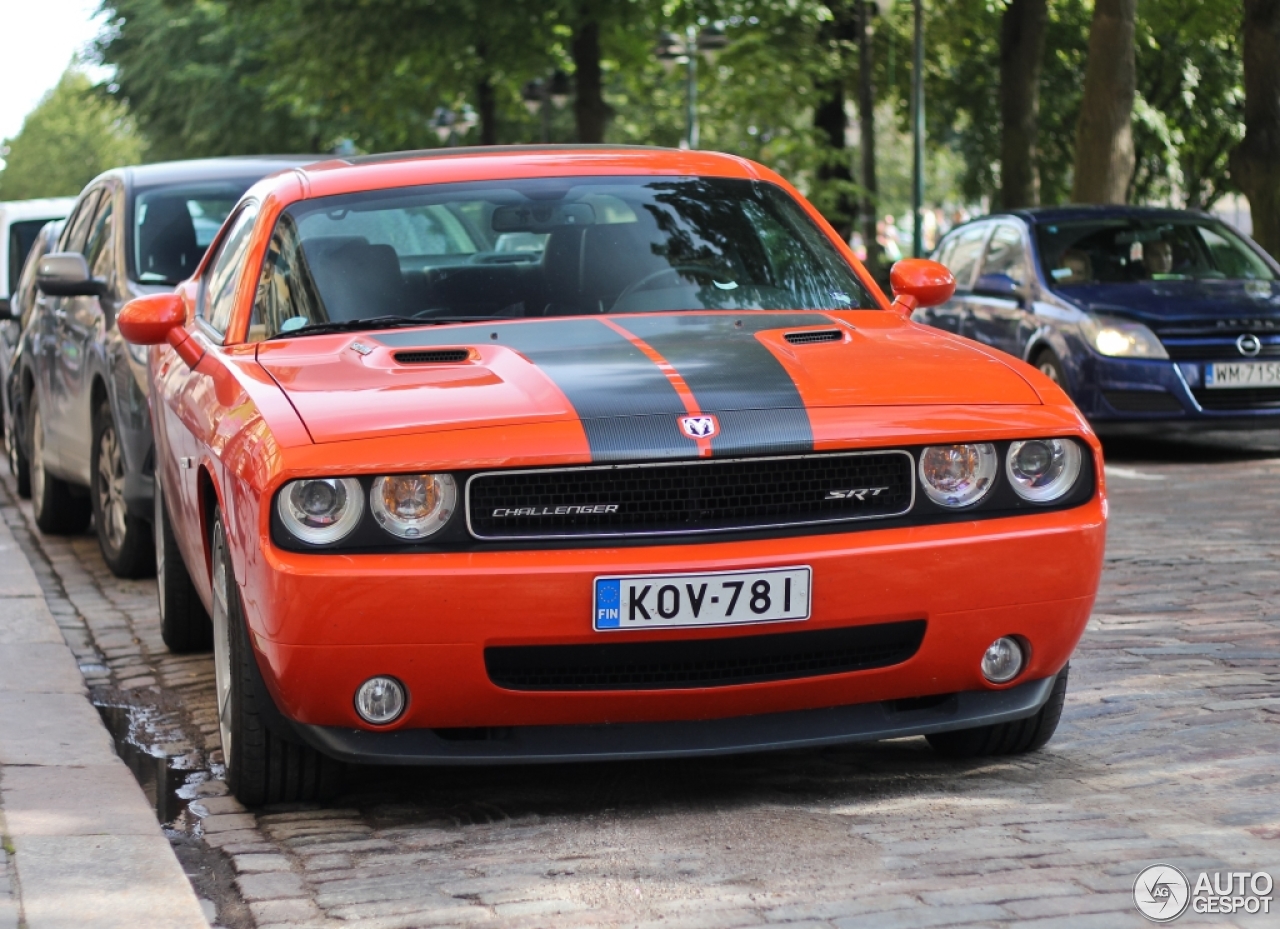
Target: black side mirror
(998,285)
(66,274)
(6,308)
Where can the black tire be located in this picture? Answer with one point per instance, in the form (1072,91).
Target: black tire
(58,511)
(1015,738)
(125,540)
(19,466)
(262,764)
(1051,367)
(184,624)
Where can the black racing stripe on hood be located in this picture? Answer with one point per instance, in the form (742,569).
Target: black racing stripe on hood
(733,375)
(628,408)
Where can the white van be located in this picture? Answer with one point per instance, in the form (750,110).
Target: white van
(20,221)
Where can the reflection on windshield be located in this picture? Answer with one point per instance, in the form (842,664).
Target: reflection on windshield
(548,247)
(1128,251)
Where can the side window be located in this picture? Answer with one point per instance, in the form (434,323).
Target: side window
(1006,254)
(217,298)
(100,248)
(286,297)
(965,257)
(945,251)
(76,233)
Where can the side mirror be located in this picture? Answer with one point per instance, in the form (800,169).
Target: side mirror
(157,319)
(66,274)
(6,308)
(997,285)
(918,282)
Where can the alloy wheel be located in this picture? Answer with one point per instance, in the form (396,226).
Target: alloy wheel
(222,641)
(37,462)
(1050,370)
(111,487)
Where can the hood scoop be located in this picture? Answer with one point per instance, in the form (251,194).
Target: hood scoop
(434,356)
(810,336)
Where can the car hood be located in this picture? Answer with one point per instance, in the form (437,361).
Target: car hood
(629,379)
(1164,302)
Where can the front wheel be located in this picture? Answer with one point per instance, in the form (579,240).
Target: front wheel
(262,765)
(58,511)
(125,540)
(1051,367)
(19,467)
(1015,738)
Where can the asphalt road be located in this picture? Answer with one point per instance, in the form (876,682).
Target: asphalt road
(1167,753)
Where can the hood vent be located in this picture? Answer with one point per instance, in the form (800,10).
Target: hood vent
(814,335)
(435,356)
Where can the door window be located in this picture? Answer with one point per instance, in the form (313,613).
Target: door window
(76,233)
(965,257)
(1006,255)
(219,293)
(100,248)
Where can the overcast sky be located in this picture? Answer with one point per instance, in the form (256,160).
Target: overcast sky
(40,37)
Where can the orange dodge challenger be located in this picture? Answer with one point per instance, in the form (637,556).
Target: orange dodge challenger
(532,455)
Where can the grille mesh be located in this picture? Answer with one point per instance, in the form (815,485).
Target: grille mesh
(692,497)
(1241,398)
(703,662)
(811,336)
(434,356)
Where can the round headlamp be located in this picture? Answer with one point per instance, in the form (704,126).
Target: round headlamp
(957,476)
(320,510)
(413,506)
(1043,470)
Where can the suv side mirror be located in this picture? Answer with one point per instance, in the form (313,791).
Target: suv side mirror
(918,282)
(66,274)
(6,308)
(997,285)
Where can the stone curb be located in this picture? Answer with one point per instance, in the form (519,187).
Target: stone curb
(82,847)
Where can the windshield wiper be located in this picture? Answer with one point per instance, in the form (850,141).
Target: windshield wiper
(378,322)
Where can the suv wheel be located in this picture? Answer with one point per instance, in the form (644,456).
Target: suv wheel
(262,765)
(1015,738)
(57,510)
(1051,368)
(125,540)
(184,624)
(19,467)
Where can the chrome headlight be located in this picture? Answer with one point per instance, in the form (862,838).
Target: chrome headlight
(1120,338)
(957,476)
(321,510)
(413,506)
(1042,470)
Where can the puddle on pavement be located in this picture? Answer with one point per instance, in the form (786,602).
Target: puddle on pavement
(168,772)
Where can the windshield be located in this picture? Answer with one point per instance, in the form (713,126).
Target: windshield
(548,247)
(1119,251)
(172,227)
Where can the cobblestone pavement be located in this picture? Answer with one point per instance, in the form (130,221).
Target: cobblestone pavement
(1167,752)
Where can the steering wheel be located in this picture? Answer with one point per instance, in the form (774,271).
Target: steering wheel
(661,272)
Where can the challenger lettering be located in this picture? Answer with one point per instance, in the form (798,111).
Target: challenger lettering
(597,509)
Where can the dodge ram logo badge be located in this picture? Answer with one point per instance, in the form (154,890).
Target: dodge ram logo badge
(699,427)
(1249,345)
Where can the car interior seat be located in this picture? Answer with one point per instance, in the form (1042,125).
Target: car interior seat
(355,279)
(167,248)
(587,268)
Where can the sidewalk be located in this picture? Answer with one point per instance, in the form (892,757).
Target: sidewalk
(80,847)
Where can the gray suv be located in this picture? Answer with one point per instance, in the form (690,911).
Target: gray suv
(82,402)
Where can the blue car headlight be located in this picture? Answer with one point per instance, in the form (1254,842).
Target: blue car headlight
(1122,338)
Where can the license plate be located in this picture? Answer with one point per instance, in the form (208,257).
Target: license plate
(1242,374)
(724,598)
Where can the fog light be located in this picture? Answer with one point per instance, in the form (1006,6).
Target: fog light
(380,700)
(1003,660)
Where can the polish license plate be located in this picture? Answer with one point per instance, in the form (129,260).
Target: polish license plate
(1242,374)
(725,598)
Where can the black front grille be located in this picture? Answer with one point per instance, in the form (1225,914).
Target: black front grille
(1142,401)
(689,497)
(1241,398)
(703,662)
(811,336)
(433,356)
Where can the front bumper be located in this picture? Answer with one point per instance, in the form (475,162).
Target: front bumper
(323,624)
(838,725)
(1123,395)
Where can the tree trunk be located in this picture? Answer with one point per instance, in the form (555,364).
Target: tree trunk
(867,130)
(487,109)
(1022,32)
(589,109)
(1255,163)
(830,119)
(1104,136)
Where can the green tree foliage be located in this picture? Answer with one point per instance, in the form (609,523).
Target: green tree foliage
(188,70)
(72,135)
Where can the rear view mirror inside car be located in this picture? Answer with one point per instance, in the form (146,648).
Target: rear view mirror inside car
(542,217)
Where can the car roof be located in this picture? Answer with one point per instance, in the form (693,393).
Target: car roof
(15,211)
(501,162)
(206,169)
(1064,214)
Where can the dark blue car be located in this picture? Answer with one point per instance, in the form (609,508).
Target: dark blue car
(1147,317)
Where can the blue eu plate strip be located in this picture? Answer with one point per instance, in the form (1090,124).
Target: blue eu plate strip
(608,603)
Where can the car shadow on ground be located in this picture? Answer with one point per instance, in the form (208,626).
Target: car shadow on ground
(1192,448)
